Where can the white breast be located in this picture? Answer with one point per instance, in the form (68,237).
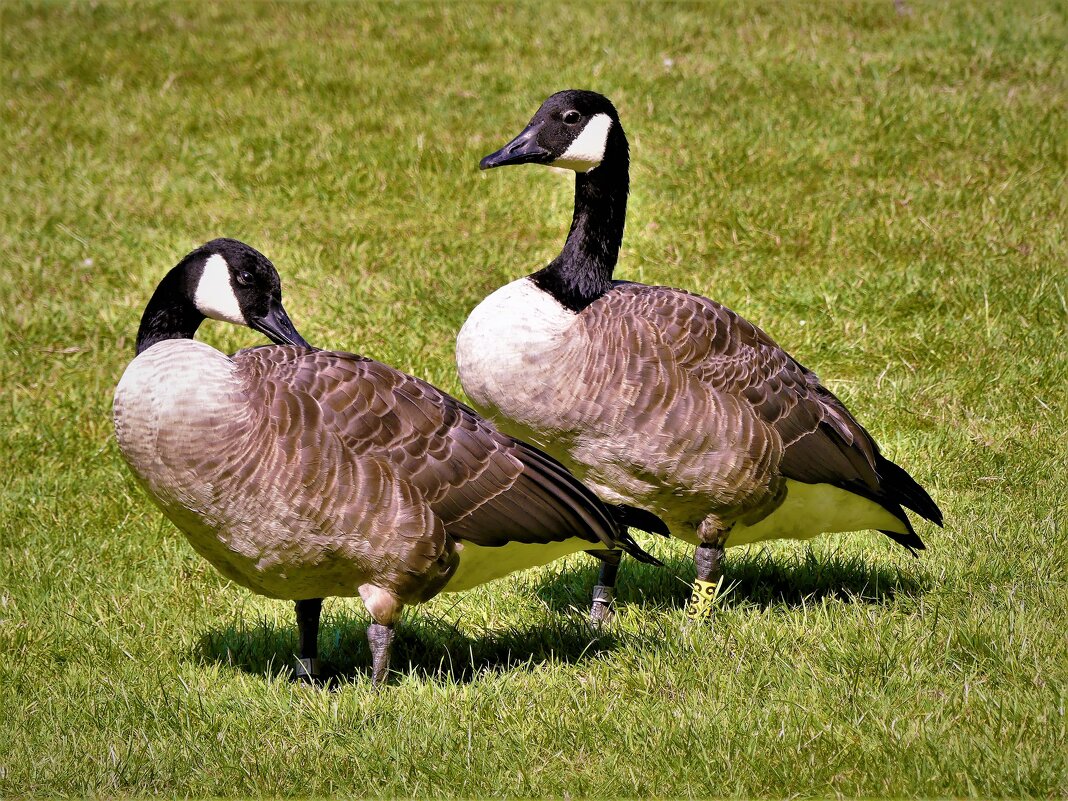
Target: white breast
(184,426)
(507,343)
(171,386)
(171,410)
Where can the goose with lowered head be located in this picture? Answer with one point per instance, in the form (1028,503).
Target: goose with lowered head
(302,473)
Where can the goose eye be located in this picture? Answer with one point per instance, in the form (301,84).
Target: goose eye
(571,117)
(244,277)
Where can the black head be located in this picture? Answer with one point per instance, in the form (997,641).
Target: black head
(576,129)
(225,280)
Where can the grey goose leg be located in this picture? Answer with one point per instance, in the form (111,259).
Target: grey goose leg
(380,638)
(307,665)
(709,561)
(602,610)
(385,608)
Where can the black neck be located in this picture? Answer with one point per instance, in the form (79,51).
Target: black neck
(583,270)
(170,314)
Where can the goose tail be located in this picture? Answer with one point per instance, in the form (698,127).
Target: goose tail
(599,520)
(898,486)
(641,519)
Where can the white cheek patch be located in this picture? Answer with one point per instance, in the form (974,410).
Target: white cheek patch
(215,296)
(587,151)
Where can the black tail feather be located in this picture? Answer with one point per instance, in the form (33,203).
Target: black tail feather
(601,518)
(634,549)
(910,539)
(897,485)
(633,517)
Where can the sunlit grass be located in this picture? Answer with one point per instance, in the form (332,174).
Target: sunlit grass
(883,193)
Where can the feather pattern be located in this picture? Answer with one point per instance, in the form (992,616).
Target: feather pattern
(806,430)
(303,473)
(671,402)
(660,399)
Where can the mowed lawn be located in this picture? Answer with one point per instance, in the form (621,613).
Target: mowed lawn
(883,192)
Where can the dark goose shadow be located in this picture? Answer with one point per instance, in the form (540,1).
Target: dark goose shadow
(424,646)
(433,648)
(756,578)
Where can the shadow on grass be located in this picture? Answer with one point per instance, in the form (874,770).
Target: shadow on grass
(422,645)
(754,578)
(434,649)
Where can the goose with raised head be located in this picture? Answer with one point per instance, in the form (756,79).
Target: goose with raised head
(301,473)
(661,399)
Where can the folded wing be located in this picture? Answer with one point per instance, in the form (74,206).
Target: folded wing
(821,442)
(485,487)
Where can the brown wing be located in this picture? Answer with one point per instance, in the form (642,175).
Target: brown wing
(401,542)
(485,487)
(821,442)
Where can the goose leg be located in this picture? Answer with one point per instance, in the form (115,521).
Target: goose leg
(307,666)
(709,560)
(385,607)
(602,609)
(380,638)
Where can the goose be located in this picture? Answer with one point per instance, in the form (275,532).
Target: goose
(659,398)
(302,473)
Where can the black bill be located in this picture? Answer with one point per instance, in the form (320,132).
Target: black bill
(278,327)
(524,149)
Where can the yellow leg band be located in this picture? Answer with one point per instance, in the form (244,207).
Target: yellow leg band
(702,601)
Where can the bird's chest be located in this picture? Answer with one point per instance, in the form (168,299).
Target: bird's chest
(512,356)
(179,423)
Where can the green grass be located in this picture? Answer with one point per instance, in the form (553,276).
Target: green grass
(884,194)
